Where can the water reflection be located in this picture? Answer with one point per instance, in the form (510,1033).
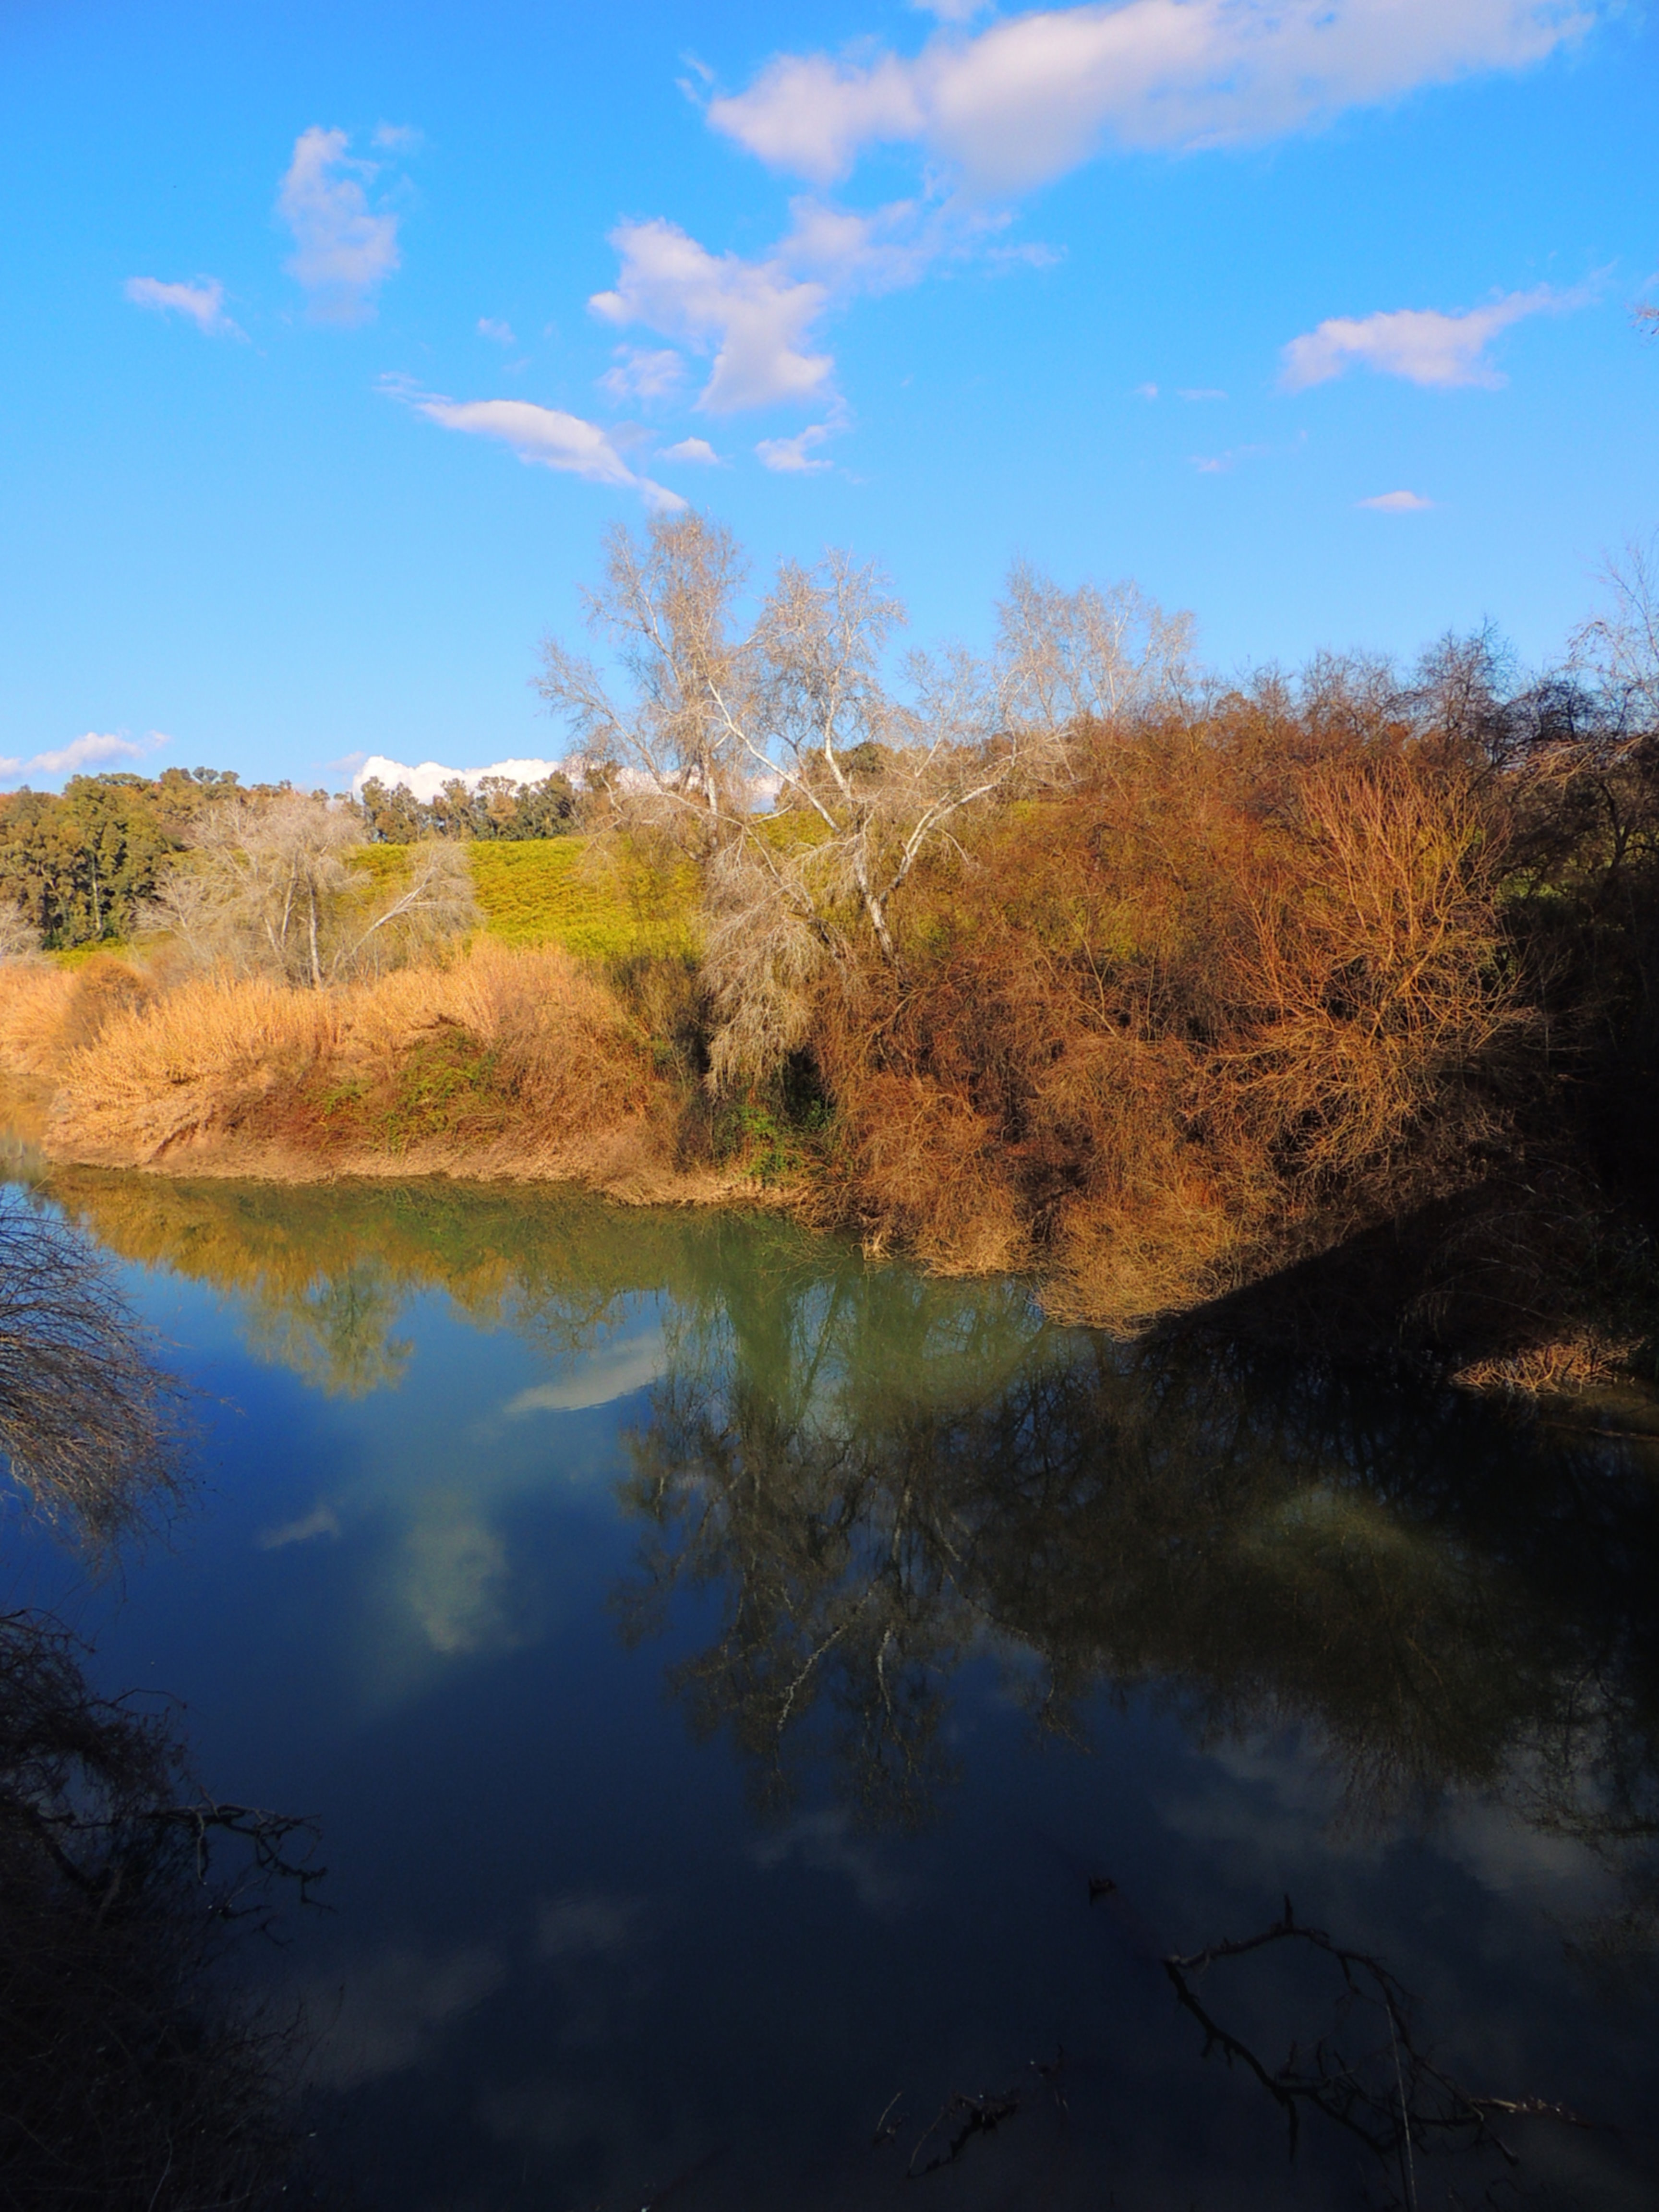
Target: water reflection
(128,2076)
(875,1476)
(1388,1610)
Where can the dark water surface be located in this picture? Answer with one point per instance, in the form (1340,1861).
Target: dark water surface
(719,1666)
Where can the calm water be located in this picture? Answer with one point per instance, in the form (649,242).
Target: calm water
(719,1666)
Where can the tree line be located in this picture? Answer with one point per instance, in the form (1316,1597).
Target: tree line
(84,865)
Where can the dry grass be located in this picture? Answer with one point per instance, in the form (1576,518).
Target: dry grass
(493,1062)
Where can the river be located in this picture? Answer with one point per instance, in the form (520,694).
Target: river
(771,1717)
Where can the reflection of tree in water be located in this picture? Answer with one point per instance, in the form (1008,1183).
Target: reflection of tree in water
(336,1331)
(883,1474)
(126,2081)
(1452,1597)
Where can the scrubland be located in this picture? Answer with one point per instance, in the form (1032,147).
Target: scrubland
(1324,1005)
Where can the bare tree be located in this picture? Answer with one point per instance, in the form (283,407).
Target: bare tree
(1619,647)
(272,889)
(18,936)
(666,605)
(89,1425)
(1088,655)
(798,709)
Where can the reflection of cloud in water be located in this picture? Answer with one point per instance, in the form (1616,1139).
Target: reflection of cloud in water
(391,2009)
(821,1841)
(454,1585)
(1507,1856)
(1274,1799)
(1285,1805)
(586,1925)
(321,1521)
(616,1371)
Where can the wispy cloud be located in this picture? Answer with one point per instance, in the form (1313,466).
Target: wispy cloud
(1421,345)
(1201,392)
(321,1521)
(644,372)
(1397,503)
(696,450)
(795,456)
(201,301)
(543,437)
(343,251)
(499,332)
(81,755)
(1033,95)
(1223,464)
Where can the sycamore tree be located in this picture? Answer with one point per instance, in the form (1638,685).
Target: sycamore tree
(778,750)
(269,887)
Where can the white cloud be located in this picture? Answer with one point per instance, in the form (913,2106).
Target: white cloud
(321,1521)
(490,326)
(698,450)
(1144,391)
(875,253)
(426,780)
(823,1842)
(1420,343)
(757,317)
(795,456)
(1223,464)
(399,138)
(202,302)
(81,756)
(617,1371)
(643,373)
(587,1924)
(1031,96)
(1397,503)
(342,253)
(543,437)
(753,314)
(387,2013)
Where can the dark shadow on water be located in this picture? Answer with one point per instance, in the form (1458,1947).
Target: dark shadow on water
(131,2076)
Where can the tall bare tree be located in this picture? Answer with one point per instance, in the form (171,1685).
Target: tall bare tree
(665,603)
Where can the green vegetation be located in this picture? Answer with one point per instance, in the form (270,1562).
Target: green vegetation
(601,901)
(78,866)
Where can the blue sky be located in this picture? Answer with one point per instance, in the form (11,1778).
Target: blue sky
(337,335)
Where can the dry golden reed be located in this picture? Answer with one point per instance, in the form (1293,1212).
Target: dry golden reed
(497,1062)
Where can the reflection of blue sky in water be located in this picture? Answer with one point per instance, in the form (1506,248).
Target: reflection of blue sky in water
(566,1964)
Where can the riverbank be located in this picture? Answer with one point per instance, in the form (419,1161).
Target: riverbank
(502,1066)
(496,1063)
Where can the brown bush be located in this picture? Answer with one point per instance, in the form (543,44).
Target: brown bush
(1237,992)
